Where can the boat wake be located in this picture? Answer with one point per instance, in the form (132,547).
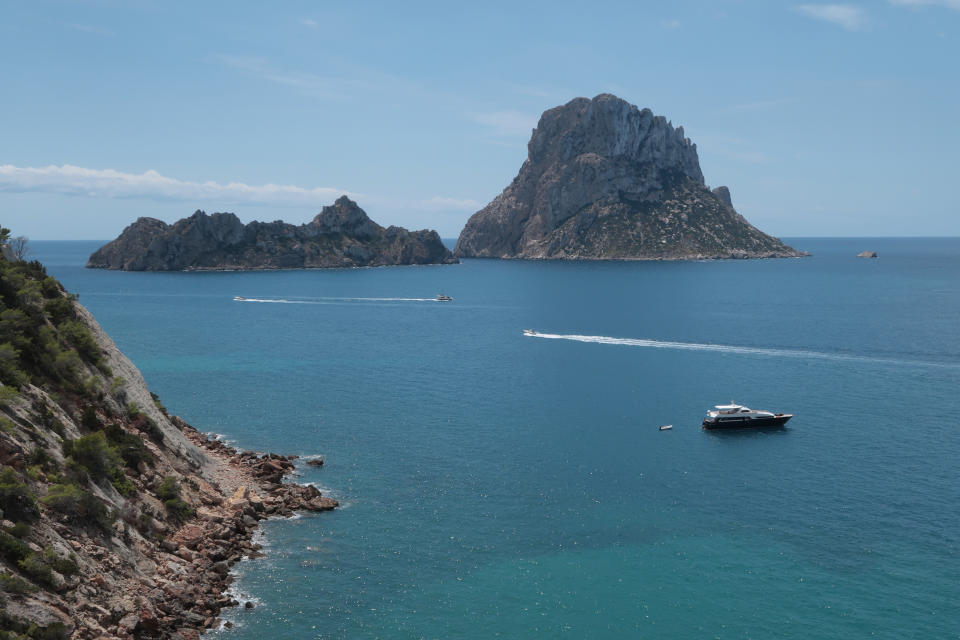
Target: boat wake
(330,300)
(726,348)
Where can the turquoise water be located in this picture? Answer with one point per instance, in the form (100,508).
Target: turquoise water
(496,485)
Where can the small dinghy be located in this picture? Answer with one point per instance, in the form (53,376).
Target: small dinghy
(666,427)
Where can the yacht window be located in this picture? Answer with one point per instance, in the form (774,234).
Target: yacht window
(745,411)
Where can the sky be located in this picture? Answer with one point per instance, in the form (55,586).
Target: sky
(822,119)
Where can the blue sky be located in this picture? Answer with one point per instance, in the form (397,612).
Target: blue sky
(823,119)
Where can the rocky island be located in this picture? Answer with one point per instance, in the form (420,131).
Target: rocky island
(341,235)
(117,519)
(606,180)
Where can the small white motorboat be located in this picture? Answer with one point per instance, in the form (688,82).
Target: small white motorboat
(239,298)
(529,332)
(666,427)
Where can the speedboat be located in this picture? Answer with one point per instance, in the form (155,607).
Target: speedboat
(443,298)
(529,332)
(239,298)
(666,427)
(737,416)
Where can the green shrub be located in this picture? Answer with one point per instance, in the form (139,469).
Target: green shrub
(66,566)
(16,500)
(7,426)
(121,482)
(67,366)
(40,457)
(179,510)
(55,631)
(10,372)
(130,446)
(146,424)
(158,404)
(89,420)
(13,549)
(15,584)
(59,309)
(78,335)
(19,530)
(168,489)
(94,454)
(50,288)
(77,504)
(36,569)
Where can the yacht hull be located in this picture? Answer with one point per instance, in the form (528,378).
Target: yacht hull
(735,422)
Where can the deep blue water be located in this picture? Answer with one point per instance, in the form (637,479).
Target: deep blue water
(501,485)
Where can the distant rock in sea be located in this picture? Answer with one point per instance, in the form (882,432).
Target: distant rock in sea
(341,235)
(867,254)
(606,180)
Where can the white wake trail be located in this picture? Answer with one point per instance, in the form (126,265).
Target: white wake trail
(331,300)
(726,348)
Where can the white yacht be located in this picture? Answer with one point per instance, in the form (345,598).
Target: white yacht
(737,416)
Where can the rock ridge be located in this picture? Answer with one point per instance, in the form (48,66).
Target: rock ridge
(341,235)
(604,179)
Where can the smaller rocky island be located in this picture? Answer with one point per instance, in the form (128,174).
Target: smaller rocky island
(341,235)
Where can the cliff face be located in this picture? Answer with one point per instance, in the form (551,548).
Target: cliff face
(116,519)
(606,180)
(341,235)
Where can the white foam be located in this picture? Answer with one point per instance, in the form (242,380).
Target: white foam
(726,348)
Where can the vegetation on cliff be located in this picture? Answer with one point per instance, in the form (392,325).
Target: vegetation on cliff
(98,480)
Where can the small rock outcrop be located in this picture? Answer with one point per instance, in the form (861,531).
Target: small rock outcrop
(867,254)
(606,180)
(341,235)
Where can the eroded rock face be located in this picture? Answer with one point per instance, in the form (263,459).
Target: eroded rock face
(606,180)
(341,235)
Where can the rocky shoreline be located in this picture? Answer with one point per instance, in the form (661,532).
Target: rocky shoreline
(190,588)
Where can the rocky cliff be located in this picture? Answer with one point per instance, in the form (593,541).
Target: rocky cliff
(116,519)
(606,180)
(341,235)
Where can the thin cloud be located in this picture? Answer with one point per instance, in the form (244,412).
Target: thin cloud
(451,204)
(89,28)
(950,4)
(307,22)
(345,82)
(506,123)
(760,105)
(670,24)
(847,16)
(109,183)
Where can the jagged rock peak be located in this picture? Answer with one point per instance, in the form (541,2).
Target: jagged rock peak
(341,235)
(604,179)
(345,216)
(723,194)
(612,127)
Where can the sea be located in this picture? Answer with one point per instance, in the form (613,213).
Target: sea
(498,485)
